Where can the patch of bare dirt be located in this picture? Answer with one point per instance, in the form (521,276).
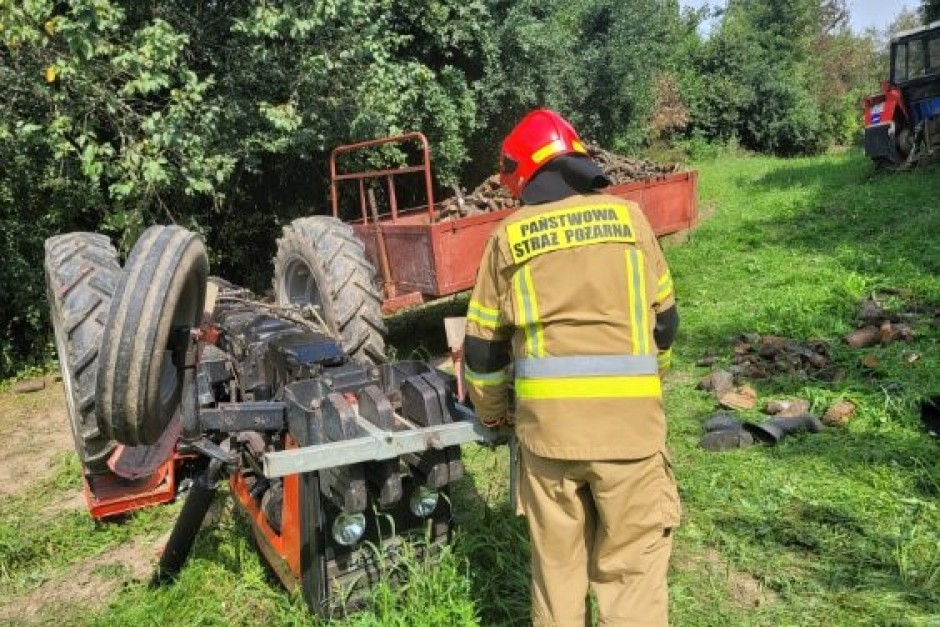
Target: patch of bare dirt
(34,432)
(706,212)
(744,589)
(64,502)
(89,582)
(678,378)
(676,239)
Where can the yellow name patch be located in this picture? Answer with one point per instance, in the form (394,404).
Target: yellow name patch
(569,228)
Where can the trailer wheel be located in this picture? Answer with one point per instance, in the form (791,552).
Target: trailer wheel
(163,289)
(82,271)
(321,263)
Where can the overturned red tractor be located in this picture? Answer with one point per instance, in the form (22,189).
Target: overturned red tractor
(902,123)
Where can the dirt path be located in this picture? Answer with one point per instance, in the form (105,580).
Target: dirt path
(745,590)
(34,434)
(89,583)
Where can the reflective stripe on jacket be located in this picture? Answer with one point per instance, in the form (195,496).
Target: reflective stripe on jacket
(575,286)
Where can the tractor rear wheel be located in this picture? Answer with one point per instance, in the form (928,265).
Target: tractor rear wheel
(82,272)
(320,263)
(139,375)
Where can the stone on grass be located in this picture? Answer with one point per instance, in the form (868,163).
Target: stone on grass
(839,414)
(717,382)
(745,397)
(864,337)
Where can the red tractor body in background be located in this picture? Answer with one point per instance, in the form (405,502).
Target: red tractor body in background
(902,123)
(886,107)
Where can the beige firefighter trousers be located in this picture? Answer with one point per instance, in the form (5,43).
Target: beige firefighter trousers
(603,525)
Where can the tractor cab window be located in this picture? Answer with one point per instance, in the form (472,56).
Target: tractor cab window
(899,63)
(910,60)
(933,55)
(916,59)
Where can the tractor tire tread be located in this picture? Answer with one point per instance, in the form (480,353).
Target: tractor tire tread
(166,264)
(75,320)
(81,271)
(353,299)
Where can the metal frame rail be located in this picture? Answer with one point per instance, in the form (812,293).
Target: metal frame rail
(379,444)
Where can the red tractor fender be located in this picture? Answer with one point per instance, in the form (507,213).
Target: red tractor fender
(884,107)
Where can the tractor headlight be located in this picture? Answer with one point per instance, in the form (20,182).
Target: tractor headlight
(348,528)
(423,501)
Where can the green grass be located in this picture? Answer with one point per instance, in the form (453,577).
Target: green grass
(33,546)
(28,372)
(840,528)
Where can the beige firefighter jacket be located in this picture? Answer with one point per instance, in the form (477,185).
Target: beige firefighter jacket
(576,286)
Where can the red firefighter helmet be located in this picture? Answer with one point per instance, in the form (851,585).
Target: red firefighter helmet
(541,136)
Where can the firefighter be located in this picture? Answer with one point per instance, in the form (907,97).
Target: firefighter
(573,310)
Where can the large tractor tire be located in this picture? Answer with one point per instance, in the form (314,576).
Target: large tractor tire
(907,151)
(321,263)
(139,378)
(82,272)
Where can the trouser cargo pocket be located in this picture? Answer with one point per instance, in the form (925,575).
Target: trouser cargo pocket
(671,507)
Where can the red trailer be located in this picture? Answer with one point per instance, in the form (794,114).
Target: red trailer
(417,257)
(420,258)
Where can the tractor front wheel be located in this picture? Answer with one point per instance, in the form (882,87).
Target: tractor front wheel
(140,377)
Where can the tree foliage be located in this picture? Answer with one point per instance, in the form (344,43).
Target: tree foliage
(781,77)
(220,114)
(931,11)
(217,115)
(593,60)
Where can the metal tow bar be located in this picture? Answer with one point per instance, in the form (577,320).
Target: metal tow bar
(379,444)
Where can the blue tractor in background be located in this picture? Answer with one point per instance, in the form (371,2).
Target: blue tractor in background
(902,123)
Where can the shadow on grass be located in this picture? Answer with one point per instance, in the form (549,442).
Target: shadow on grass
(419,333)
(890,218)
(826,564)
(494,543)
(861,524)
(829,548)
